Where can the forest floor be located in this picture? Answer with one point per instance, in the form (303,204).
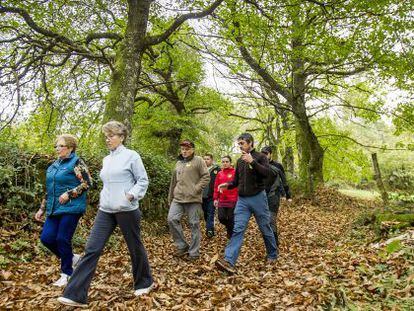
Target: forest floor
(327,262)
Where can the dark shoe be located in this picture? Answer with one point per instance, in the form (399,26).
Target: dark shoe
(193,258)
(181,252)
(225,266)
(210,234)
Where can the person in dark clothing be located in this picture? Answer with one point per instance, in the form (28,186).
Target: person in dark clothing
(251,171)
(208,203)
(276,187)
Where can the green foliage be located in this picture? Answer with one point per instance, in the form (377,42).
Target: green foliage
(343,160)
(21,185)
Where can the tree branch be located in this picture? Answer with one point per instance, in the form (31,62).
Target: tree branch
(152,40)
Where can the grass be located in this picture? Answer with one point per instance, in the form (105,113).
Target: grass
(361,194)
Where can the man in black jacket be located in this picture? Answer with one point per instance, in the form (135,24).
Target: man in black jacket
(208,202)
(251,171)
(276,187)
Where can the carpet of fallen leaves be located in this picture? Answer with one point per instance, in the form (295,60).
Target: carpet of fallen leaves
(325,263)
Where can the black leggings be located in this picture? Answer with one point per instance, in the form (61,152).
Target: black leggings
(226,217)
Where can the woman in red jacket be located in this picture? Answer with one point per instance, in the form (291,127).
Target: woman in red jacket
(226,200)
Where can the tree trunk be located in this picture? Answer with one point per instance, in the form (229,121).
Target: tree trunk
(288,159)
(378,179)
(311,152)
(127,68)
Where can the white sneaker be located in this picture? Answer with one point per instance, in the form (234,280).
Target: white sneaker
(69,302)
(62,281)
(143,291)
(75,260)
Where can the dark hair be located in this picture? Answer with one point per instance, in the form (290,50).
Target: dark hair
(247,137)
(226,156)
(266,149)
(209,155)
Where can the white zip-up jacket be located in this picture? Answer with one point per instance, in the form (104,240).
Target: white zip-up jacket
(122,173)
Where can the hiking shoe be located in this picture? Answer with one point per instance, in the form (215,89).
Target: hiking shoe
(225,266)
(70,302)
(181,252)
(143,291)
(75,260)
(63,281)
(210,234)
(193,258)
(271,261)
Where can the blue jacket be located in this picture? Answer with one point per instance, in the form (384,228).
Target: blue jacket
(60,177)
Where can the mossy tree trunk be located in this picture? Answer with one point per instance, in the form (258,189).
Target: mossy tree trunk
(127,68)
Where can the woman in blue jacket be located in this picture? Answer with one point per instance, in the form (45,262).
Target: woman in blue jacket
(67,181)
(125,182)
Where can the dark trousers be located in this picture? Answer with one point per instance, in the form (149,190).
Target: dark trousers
(274,203)
(105,224)
(226,217)
(57,236)
(209,211)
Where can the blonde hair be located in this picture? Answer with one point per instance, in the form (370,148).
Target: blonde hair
(70,140)
(115,128)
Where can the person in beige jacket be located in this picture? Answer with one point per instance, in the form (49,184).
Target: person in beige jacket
(189,178)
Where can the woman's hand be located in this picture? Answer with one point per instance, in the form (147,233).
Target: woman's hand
(39,214)
(64,198)
(129,196)
(215,203)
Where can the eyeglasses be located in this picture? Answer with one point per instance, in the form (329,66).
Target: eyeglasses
(60,146)
(108,137)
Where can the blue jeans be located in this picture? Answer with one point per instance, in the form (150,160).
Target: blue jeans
(245,207)
(57,237)
(209,211)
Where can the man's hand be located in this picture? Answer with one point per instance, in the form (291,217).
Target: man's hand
(247,157)
(289,200)
(64,198)
(222,187)
(39,214)
(215,203)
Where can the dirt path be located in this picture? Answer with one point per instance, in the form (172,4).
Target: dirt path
(312,238)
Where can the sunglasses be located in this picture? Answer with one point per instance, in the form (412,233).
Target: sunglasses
(60,146)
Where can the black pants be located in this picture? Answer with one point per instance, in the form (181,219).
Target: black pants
(105,224)
(274,203)
(226,217)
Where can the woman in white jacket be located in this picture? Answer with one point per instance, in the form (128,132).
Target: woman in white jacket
(125,182)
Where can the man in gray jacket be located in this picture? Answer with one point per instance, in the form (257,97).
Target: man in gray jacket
(189,178)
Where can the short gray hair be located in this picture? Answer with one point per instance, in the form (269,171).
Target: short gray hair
(115,128)
(70,140)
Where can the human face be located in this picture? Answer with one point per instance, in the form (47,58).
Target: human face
(244,145)
(113,140)
(208,161)
(225,163)
(62,149)
(186,151)
(268,155)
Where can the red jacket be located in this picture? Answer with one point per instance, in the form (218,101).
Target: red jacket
(227,198)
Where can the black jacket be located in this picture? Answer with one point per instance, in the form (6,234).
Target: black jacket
(277,183)
(249,178)
(209,191)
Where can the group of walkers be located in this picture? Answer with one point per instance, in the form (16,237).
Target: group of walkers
(253,187)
